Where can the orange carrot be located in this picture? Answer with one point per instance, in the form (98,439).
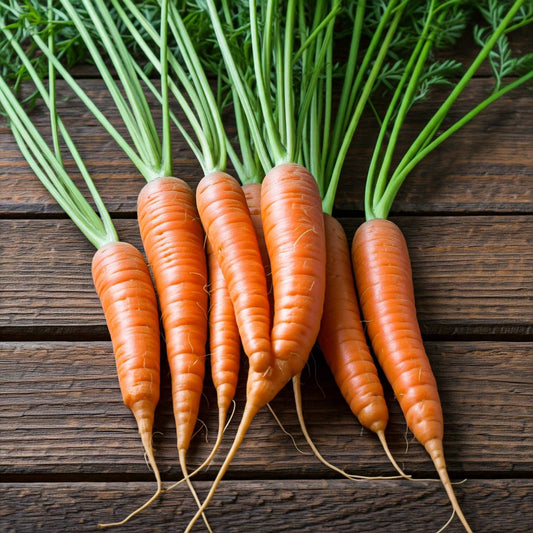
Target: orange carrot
(291,209)
(224,340)
(342,337)
(343,342)
(294,231)
(252,193)
(384,283)
(124,286)
(173,239)
(226,219)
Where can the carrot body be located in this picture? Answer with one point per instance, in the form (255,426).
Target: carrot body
(124,286)
(226,219)
(224,340)
(252,193)
(384,283)
(342,338)
(293,224)
(174,243)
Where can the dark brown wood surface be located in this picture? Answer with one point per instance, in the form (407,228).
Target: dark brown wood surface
(69,452)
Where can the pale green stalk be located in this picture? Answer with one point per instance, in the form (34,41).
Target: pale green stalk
(383,207)
(290,137)
(263,85)
(166,163)
(52,84)
(422,144)
(237,80)
(412,73)
(334,175)
(202,152)
(101,117)
(51,172)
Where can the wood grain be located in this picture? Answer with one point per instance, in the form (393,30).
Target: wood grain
(269,506)
(61,413)
(485,167)
(471,275)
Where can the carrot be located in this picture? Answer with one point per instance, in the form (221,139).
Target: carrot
(384,283)
(226,219)
(294,232)
(224,340)
(252,193)
(291,210)
(343,342)
(173,239)
(124,286)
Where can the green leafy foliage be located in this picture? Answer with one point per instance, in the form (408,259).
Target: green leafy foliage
(503,61)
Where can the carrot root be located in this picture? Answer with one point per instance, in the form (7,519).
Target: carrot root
(124,286)
(435,450)
(296,381)
(146,437)
(187,478)
(250,411)
(207,461)
(384,282)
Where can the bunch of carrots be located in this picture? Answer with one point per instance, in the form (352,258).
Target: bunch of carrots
(258,262)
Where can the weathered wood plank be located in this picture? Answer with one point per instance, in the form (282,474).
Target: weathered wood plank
(270,506)
(61,414)
(471,275)
(486,167)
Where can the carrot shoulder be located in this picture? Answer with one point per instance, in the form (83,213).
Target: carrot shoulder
(384,283)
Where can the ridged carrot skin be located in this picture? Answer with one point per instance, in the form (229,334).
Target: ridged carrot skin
(124,286)
(252,193)
(342,338)
(224,340)
(293,224)
(226,219)
(384,283)
(173,240)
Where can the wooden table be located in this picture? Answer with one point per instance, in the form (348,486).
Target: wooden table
(69,451)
